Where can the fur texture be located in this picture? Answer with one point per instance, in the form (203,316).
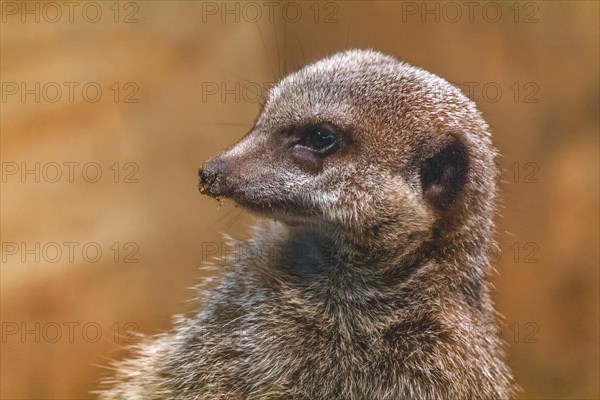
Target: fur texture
(372,283)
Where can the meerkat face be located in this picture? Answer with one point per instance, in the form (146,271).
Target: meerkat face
(357,142)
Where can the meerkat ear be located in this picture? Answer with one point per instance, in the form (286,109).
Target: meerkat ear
(444,175)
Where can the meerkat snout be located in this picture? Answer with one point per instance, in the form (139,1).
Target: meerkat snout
(266,169)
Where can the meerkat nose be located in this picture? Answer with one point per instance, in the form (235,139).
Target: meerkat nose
(211,177)
(205,176)
(207,179)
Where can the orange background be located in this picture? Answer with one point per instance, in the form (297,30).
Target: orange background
(542,56)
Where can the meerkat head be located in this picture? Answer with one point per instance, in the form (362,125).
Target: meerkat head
(366,147)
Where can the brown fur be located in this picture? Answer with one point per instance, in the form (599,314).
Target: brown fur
(373,282)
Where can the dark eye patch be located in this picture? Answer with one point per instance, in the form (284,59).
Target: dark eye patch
(321,139)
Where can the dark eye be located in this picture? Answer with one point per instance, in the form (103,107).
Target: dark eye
(320,140)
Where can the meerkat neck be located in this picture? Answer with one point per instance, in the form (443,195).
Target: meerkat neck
(333,271)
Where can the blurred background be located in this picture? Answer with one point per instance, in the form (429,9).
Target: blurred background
(109,108)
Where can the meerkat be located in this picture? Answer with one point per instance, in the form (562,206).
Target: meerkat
(379,181)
